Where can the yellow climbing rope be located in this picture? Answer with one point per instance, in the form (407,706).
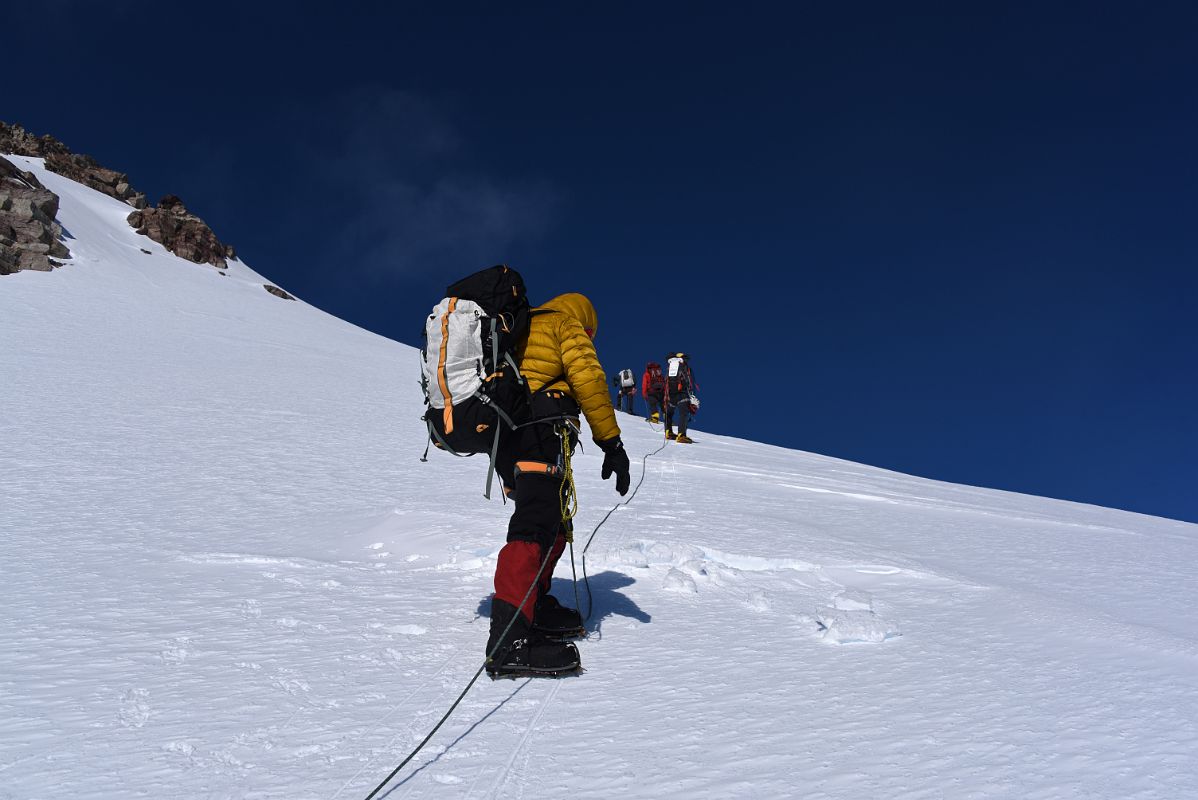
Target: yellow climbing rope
(567,493)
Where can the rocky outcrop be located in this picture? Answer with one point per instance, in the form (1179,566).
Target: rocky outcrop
(277,292)
(169,223)
(80,168)
(183,233)
(30,238)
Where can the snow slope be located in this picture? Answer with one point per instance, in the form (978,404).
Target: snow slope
(226,574)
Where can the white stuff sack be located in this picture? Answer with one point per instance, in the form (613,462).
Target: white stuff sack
(453,355)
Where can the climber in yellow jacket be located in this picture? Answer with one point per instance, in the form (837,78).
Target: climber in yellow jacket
(565,378)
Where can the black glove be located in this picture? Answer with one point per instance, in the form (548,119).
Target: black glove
(615,460)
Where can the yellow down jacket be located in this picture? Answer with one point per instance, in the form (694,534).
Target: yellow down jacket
(559,350)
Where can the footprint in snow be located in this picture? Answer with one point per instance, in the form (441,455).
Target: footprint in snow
(135,708)
(178,748)
(293,686)
(177,653)
(757,601)
(392,655)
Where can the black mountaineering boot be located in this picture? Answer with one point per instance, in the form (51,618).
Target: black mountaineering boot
(501,614)
(556,622)
(532,658)
(523,654)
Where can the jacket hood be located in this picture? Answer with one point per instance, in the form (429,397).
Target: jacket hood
(578,307)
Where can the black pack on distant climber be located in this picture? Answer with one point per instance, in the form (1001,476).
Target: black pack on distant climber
(471,383)
(678,382)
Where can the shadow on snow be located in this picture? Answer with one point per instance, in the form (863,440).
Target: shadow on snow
(606,600)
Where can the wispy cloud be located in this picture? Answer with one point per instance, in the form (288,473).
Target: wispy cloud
(411,202)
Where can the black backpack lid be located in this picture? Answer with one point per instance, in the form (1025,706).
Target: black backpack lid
(499,290)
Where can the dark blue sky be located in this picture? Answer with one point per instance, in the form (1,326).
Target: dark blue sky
(957,242)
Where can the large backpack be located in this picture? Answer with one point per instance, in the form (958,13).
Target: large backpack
(657,381)
(678,381)
(627,380)
(472,385)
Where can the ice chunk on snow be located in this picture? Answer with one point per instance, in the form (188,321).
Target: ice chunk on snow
(678,581)
(847,627)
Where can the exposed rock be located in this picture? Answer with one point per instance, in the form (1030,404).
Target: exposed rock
(85,170)
(277,292)
(169,224)
(30,237)
(16,140)
(8,259)
(183,233)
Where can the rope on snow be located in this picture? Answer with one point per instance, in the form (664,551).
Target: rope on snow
(590,601)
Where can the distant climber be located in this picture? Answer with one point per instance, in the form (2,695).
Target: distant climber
(559,362)
(625,383)
(682,398)
(653,389)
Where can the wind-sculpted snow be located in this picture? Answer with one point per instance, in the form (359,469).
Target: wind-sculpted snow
(228,575)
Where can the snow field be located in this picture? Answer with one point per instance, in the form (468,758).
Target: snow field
(227,575)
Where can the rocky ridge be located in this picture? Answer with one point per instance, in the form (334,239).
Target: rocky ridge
(169,223)
(30,236)
(183,233)
(80,168)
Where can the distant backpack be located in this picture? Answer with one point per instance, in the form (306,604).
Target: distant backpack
(678,380)
(472,385)
(627,380)
(656,381)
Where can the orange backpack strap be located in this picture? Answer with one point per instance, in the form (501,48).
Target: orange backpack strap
(441,379)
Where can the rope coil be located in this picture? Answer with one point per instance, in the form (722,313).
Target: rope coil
(567,494)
